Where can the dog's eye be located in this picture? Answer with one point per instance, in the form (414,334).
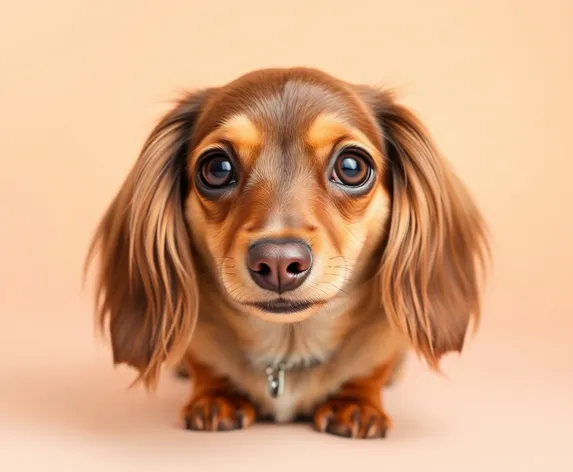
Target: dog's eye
(217,170)
(351,169)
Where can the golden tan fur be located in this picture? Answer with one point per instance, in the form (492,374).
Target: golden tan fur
(396,266)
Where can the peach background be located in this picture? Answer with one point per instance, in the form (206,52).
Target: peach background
(81,85)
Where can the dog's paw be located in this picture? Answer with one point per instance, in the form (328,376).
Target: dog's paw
(219,412)
(355,418)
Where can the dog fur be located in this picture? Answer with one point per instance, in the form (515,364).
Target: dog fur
(397,265)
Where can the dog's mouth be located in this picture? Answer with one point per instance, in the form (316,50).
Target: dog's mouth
(281,306)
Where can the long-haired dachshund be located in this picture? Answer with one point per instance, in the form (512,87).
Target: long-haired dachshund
(287,238)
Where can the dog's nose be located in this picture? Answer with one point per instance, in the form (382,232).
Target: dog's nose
(279,266)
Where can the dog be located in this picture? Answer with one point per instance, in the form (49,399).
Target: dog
(286,239)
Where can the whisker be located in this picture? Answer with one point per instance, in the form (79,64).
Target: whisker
(338,288)
(341,267)
(233,289)
(239,299)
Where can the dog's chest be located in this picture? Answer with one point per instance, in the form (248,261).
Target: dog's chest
(297,346)
(315,355)
(289,355)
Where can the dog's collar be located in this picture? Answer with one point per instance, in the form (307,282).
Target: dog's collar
(276,375)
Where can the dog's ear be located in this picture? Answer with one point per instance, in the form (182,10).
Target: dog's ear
(146,286)
(437,244)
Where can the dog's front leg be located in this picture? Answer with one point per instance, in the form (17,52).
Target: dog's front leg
(356,411)
(215,404)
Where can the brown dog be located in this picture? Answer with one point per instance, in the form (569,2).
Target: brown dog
(289,237)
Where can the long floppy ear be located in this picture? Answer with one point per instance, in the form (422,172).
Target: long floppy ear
(146,286)
(437,245)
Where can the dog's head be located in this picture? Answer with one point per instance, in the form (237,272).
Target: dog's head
(277,193)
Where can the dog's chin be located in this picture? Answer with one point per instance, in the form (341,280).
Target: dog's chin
(284,311)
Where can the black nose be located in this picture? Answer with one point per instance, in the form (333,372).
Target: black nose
(279,265)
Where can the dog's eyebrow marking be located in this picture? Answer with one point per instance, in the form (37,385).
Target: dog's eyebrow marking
(241,130)
(238,130)
(329,128)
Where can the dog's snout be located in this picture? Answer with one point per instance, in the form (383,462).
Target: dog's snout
(279,265)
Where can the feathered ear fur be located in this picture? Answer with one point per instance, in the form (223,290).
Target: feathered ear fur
(146,286)
(437,246)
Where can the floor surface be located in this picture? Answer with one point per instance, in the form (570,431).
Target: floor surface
(500,406)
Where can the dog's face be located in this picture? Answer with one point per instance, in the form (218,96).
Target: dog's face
(283,190)
(286,199)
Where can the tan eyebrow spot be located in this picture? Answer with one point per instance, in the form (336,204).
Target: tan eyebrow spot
(328,128)
(238,130)
(242,131)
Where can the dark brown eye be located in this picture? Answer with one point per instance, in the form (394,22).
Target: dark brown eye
(217,171)
(351,169)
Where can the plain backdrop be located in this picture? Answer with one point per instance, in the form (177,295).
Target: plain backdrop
(81,85)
